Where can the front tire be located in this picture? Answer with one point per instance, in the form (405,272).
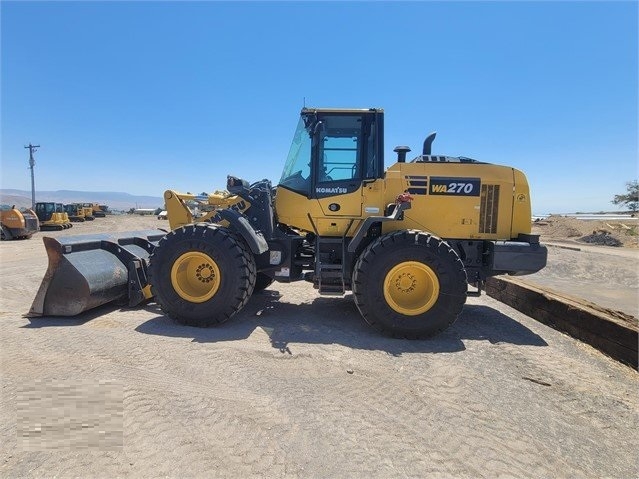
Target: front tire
(201,274)
(409,284)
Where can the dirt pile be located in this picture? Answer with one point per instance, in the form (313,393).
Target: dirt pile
(601,238)
(605,233)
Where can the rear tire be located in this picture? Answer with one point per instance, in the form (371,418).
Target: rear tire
(409,284)
(202,274)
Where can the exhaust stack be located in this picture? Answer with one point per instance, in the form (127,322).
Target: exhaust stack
(428,143)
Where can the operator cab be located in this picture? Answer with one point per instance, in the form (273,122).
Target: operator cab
(334,151)
(44,211)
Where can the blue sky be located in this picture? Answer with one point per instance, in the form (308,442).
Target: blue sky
(143,96)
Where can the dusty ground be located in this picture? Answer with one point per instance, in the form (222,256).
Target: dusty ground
(299,386)
(597,232)
(580,263)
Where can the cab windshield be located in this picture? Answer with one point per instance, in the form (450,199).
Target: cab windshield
(297,169)
(45,207)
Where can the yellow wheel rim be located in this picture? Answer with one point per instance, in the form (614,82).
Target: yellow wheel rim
(411,288)
(195,277)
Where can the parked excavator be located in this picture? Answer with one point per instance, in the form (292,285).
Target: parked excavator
(97,210)
(17,223)
(411,242)
(52,216)
(75,213)
(87,211)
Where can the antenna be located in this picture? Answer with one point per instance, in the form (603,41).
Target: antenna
(32,148)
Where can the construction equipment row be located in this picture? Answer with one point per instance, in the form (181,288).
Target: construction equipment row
(21,223)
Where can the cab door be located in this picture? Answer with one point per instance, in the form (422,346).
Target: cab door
(337,178)
(346,153)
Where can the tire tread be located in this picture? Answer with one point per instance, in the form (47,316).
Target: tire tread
(385,245)
(187,237)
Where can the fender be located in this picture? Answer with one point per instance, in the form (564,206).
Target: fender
(238,222)
(396,215)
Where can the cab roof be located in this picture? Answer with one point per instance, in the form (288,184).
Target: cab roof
(307,110)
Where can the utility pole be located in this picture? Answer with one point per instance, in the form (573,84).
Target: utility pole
(32,148)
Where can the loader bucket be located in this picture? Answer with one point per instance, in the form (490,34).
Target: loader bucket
(91,270)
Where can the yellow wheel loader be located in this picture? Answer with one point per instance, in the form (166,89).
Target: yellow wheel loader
(16,223)
(407,240)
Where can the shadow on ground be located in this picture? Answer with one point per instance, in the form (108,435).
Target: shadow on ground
(58,321)
(337,321)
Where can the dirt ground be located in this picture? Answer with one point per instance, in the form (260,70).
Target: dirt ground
(297,385)
(582,263)
(596,232)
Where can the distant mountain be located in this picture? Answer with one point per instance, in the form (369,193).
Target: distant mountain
(115,200)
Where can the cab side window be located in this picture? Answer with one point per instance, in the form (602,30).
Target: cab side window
(370,161)
(340,149)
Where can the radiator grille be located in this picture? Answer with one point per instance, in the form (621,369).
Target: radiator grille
(488,209)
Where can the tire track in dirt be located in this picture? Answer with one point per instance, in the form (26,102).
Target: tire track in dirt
(225,431)
(416,424)
(579,403)
(142,367)
(410,413)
